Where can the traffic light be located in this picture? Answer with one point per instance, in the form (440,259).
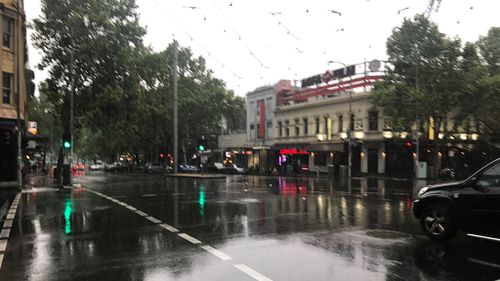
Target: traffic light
(202,145)
(67,140)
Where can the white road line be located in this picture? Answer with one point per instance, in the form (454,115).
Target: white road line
(3,245)
(216,252)
(141,213)
(153,220)
(169,228)
(5,233)
(484,263)
(483,237)
(12,211)
(189,238)
(254,274)
(7,223)
(1,260)
(131,208)
(10,216)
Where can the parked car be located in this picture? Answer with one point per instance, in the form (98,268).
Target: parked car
(188,169)
(236,169)
(472,205)
(155,168)
(217,168)
(96,167)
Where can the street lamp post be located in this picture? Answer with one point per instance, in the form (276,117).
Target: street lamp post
(349,133)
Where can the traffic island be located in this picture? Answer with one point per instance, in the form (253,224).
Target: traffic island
(197,176)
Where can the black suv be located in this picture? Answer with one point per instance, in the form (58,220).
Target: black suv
(472,205)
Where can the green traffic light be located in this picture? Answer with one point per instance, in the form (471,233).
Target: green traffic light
(201,148)
(67,144)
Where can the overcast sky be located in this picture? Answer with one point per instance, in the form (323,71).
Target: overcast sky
(247,46)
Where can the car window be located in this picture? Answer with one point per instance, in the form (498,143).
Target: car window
(490,178)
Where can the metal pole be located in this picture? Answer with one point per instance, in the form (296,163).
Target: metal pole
(71,104)
(174,85)
(417,125)
(349,137)
(17,35)
(349,132)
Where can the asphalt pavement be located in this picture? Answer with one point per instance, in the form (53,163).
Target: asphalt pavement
(145,227)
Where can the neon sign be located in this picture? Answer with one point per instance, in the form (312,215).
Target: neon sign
(293,151)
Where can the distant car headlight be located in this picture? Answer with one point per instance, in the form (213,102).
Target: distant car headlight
(422,191)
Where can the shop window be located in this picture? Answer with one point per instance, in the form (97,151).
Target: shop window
(341,123)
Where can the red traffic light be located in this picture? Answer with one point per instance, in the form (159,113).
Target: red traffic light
(408,144)
(161,155)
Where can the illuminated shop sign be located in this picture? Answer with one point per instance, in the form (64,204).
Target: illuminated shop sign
(293,151)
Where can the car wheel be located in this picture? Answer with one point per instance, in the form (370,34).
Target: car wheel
(438,222)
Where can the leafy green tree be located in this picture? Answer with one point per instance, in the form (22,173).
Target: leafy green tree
(490,50)
(425,79)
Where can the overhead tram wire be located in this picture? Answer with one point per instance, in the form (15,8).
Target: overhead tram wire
(274,14)
(240,38)
(192,39)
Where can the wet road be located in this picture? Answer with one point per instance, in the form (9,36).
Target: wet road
(140,227)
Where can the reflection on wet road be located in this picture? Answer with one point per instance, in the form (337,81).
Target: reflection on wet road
(138,227)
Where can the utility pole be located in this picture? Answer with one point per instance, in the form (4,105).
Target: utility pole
(17,54)
(174,85)
(417,120)
(71,104)
(349,131)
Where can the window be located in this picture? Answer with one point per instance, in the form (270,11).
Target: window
(287,129)
(326,124)
(351,122)
(269,124)
(341,123)
(317,125)
(269,100)
(373,120)
(305,127)
(490,178)
(280,129)
(6,87)
(297,128)
(7,32)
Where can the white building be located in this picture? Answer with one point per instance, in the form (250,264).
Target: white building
(260,123)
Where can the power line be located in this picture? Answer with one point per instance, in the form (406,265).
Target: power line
(192,39)
(275,15)
(240,38)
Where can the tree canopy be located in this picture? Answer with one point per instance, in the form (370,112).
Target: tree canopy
(434,76)
(122,88)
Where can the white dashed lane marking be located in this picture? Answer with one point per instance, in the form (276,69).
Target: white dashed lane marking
(169,227)
(3,245)
(10,216)
(153,220)
(189,238)
(8,223)
(252,273)
(242,267)
(5,233)
(141,213)
(216,252)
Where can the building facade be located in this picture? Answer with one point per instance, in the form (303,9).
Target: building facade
(312,124)
(261,126)
(13,59)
